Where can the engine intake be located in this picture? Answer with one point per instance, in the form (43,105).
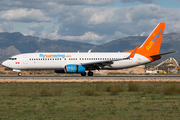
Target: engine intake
(74,68)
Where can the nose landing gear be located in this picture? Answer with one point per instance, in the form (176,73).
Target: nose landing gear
(19,74)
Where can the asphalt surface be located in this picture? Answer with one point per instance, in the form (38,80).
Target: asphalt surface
(149,77)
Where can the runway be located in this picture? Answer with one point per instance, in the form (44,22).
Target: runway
(122,77)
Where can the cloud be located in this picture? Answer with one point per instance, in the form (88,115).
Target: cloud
(143,1)
(36,29)
(86,2)
(6,26)
(79,20)
(89,37)
(37,4)
(102,24)
(24,15)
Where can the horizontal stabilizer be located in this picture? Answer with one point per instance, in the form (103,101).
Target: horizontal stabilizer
(162,54)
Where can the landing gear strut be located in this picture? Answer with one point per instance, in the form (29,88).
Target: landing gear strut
(19,74)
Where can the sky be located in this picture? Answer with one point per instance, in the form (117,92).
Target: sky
(89,21)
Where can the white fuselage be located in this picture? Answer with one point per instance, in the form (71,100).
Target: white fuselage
(57,61)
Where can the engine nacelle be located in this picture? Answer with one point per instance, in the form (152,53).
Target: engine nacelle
(59,71)
(74,68)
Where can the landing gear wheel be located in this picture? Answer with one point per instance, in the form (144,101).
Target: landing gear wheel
(90,73)
(83,74)
(19,74)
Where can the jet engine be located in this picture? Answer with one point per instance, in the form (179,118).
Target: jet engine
(74,68)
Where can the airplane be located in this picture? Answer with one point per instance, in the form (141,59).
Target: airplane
(77,62)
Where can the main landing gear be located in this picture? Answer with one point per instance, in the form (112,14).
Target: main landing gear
(83,74)
(89,73)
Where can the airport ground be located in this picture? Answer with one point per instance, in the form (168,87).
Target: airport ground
(90,100)
(112,96)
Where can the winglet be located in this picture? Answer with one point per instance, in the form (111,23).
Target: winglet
(133,53)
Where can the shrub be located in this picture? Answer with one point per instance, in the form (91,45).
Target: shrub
(57,92)
(14,92)
(150,89)
(18,92)
(88,92)
(108,87)
(99,87)
(171,89)
(114,90)
(133,86)
(45,92)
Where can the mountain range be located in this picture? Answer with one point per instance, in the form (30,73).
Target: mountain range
(16,43)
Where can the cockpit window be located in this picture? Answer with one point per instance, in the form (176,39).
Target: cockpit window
(12,58)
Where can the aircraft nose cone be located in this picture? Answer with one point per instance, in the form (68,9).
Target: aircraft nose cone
(4,64)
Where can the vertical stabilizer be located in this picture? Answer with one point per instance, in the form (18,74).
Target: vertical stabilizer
(152,44)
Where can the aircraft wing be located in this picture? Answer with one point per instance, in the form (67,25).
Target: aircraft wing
(103,63)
